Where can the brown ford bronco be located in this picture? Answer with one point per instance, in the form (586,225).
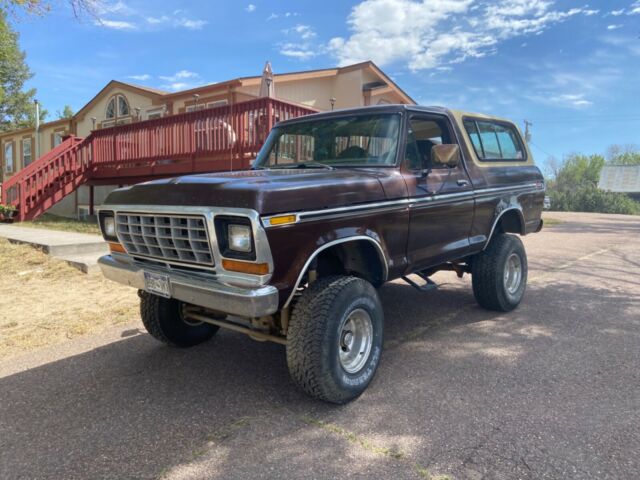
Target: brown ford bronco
(336,204)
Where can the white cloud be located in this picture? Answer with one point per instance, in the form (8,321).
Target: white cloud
(298,51)
(165,20)
(274,16)
(572,100)
(617,13)
(115,24)
(141,78)
(103,8)
(175,86)
(426,33)
(613,27)
(250,8)
(302,49)
(304,31)
(180,75)
(191,24)
(634,8)
(157,20)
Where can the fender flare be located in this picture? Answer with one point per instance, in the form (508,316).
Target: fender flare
(317,251)
(495,222)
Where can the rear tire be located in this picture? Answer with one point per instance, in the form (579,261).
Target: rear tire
(334,340)
(499,274)
(162,318)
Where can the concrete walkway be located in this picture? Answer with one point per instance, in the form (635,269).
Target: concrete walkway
(79,250)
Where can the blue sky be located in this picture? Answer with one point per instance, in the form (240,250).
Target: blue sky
(570,67)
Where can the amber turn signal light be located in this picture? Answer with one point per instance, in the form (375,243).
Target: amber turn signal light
(245,267)
(116,247)
(282,220)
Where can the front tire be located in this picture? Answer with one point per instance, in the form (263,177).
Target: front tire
(334,340)
(499,274)
(162,318)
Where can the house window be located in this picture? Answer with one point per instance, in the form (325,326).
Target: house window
(156,112)
(118,106)
(26,152)
(57,138)
(123,106)
(193,108)
(217,103)
(8,157)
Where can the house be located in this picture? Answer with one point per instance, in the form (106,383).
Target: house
(123,104)
(621,179)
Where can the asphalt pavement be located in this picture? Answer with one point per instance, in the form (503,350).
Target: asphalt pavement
(551,390)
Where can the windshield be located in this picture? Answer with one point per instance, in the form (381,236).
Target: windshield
(350,141)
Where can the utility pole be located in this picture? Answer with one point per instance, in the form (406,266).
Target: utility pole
(527,132)
(37,152)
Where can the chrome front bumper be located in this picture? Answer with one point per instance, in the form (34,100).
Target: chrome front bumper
(204,292)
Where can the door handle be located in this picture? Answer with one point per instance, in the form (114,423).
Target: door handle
(462,183)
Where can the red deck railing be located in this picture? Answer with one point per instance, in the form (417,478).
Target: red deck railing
(221,138)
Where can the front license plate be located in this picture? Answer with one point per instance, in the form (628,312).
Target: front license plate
(158,284)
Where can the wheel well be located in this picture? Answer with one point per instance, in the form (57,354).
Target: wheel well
(360,258)
(510,222)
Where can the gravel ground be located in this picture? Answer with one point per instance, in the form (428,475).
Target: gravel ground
(550,390)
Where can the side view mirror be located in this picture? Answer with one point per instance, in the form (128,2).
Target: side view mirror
(446,154)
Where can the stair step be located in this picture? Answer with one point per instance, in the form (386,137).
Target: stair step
(53,242)
(85,262)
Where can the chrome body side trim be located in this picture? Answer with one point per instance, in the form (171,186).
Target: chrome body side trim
(263,251)
(383,258)
(193,289)
(302,216)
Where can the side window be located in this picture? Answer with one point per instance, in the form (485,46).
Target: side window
(423,135)
(494,141)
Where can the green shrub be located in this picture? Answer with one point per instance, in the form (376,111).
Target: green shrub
(588,198)
(7,210)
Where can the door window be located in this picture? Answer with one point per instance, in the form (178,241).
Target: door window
(423,135)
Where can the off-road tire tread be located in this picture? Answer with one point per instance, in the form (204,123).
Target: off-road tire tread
(305,336)
(486,277)
(151,310)
(150,314)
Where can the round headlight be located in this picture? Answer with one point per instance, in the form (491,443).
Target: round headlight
(239,238)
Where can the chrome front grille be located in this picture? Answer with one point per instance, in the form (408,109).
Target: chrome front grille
(170,238)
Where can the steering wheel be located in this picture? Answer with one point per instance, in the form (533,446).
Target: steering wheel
(353,151)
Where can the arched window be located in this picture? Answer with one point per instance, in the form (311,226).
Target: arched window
(117,106)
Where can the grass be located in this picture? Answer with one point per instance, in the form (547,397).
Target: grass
(54,222)
(550,222)
(45,301)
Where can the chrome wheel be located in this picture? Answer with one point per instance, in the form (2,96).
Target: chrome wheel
(355,341)
(512,273)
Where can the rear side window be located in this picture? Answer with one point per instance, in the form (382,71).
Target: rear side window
(494,141)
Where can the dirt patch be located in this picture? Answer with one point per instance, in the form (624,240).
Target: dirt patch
(44,301)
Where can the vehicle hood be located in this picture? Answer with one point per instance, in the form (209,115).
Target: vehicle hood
(266,191)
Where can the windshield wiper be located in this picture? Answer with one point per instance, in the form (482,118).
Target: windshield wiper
(305,165)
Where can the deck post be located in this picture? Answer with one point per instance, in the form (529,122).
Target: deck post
(90,200)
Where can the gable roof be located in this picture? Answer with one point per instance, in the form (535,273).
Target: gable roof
(147,91)
(300,75)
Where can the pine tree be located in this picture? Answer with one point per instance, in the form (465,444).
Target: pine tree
(16,104)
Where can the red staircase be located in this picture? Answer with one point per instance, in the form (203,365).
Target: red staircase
(216,139)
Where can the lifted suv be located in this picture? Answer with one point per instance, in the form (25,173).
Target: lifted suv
(336,204)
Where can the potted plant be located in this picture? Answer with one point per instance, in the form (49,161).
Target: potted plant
(7,212)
